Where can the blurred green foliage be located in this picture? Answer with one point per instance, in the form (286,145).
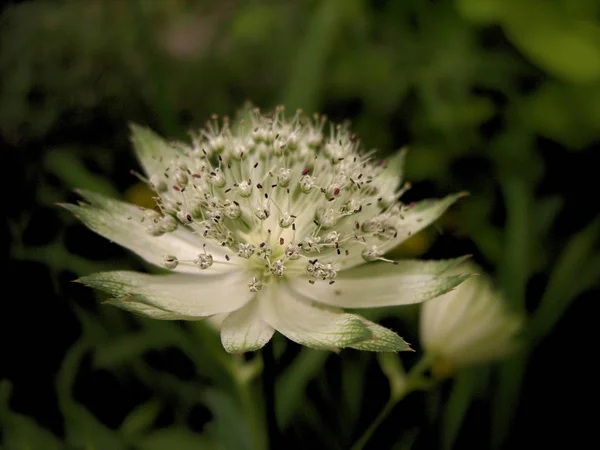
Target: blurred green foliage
(462,80)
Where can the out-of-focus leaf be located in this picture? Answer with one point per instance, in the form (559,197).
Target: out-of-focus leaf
(140,419)
(407,440)
(87,432)
(252,25)
(122,349)
(353,385)
(176,438)
(577,269)
(426,162)
(516,266)
(481,11)
(304,88)
(506,399)
(567,113)
(577,262)
(57,257)
(291,384)
(467,385)
(83,430)
(66,164)
(21,432)
(566,46)
(547,210)
(229,426)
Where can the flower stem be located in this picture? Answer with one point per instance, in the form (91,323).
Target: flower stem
(414,381)
(360,444)
(268,384)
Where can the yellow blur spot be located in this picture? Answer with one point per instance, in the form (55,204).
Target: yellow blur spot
(414,246)
(140,194)
(441,369)
(452,221)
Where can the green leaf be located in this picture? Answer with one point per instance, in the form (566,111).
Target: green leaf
(309,67)
(177,438)
(506,399)
(291,384)
(140,419)
(516,267)
(66,164)
(83,430)
(481,11)
(21,432)
(577,269)
(229,427)
(567,47)
(467,385)
(353,386)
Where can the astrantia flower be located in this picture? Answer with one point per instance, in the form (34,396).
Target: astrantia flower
(469,325)
(278,223)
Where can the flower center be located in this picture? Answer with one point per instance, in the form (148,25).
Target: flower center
(279,197)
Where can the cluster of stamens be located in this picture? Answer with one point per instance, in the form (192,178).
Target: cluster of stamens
(282,197)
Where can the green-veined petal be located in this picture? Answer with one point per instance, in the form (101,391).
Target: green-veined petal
(244,330)
(384,284)
(382,340)
(315,326)
(123,223)
(179,294)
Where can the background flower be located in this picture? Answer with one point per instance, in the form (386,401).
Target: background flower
(470,324)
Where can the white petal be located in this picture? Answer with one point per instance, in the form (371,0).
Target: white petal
(413,220)
(153,152)
(244,330)
(145,310)
(422,214)
(383,284)
(315,326)
(182,295)
(122,223)
(392,176)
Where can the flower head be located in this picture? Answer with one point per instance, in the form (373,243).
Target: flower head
(469,325)
(277,222)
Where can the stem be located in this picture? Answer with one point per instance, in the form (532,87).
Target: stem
(414,381)
(253,416)
(268,379)
(360,444)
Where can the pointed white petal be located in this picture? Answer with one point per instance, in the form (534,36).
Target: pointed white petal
(382,340)
(421,215)
(392,176)
(182,295)
(153,151)
(308,324)
(122,223)
(142,309)
(244,330)
(383,284)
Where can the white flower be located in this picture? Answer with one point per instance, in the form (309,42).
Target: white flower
(277,223)
(468,325)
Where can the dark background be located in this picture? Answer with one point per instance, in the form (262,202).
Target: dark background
(498,98)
